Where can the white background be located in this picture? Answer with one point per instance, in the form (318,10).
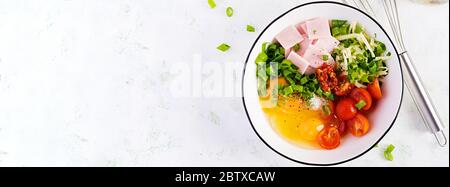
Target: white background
(85,83)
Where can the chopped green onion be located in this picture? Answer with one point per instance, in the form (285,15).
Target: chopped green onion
(262,57)
(361,104)
(388,152)
(326,110)
(230,11)
(390,148)
(329,95)
(319,92)
(297,47)
(250,28)
(304,80)
(337,23)
(325,57)
(212,4)
(288,90)
(388,156)
(223,47)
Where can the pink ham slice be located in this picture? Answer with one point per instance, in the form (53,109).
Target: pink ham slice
(301,27)
(328,43)
(318,28)
(289,37)
(287,52)
(304,45)
(315,57)
(301,63)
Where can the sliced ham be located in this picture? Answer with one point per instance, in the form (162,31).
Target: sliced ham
(301,27)
(304,45)
(300,62)
(318,28)
(287,52)
(327,43)
(315,57)
(289,37)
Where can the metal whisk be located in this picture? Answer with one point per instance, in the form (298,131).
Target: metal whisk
(412,79)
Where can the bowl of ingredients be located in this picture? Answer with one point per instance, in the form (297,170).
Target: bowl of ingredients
(322,84)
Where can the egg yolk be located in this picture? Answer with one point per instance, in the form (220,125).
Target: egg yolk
(294,121)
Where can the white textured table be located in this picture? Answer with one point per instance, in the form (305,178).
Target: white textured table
(85,83)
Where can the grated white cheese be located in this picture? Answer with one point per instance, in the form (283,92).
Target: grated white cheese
(359,37)
(353,27)
(383,58)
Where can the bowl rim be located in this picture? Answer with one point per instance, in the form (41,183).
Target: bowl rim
(253,46)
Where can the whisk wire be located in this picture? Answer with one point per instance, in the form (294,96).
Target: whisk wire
(391,9)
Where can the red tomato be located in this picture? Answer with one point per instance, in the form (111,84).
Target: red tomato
(329,138)
(339,124)
(327,110)
(345,109)
(358,126)
(375,89)
(359,94)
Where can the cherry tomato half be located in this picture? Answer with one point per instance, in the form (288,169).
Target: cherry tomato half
(345,109)
(358,126)
(375,90)
(339,124)
(329,138)
(359,94)
(327,110)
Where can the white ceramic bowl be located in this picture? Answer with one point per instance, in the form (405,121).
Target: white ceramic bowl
(381,119)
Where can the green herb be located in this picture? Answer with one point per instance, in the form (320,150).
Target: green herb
(304,80)
(319,92)
(361,104)
(388,152)
(297,47)
(212,4)
(250,28)
(314,31)
(326,109)
(337,23)
(359,28)
(223,47)
(325,57)
(288,90)
(230,11)
(305,86)
(262,57)
(329,95)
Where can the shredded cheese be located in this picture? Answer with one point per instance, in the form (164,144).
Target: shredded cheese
(360,37)
(383,58)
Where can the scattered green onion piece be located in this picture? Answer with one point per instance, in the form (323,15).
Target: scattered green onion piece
(297,47)
(325,57)
(230,11)
(326,110)
(250,28)
(388,152)
(212,4)
(288,90)
(329,95)
(223,47)
(361,104)
(304,80)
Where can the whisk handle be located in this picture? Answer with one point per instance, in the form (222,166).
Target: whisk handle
(422,99)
